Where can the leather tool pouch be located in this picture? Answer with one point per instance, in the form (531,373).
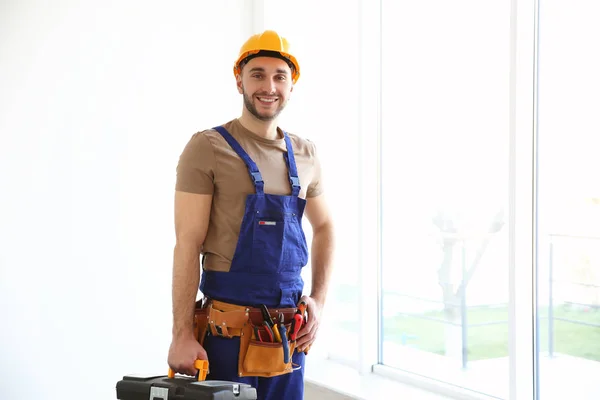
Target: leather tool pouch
(256,358)
(226,320)
(200,321)
(263,359)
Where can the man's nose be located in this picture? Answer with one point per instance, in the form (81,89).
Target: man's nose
(269,86)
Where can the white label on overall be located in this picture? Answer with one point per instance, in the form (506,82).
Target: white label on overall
(267,223)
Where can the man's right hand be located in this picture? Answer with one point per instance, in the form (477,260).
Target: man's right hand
(183,353)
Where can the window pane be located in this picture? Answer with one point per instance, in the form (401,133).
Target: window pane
(569,201)
(323,108)
(445,188)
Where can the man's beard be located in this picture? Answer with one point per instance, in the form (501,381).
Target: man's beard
(250,106)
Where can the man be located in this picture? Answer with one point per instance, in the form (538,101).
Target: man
(242,190)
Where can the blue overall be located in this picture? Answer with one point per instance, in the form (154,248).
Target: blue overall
(270,254)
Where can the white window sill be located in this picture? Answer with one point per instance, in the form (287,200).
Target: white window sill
(347,381)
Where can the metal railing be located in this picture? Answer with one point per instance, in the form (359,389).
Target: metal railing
(552,282)
(464,325)
(462,305)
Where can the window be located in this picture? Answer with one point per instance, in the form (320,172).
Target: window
(483,107)
(445,136)
(323,108)
(568,227)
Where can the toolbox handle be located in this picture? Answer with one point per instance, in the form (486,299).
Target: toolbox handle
(200,365)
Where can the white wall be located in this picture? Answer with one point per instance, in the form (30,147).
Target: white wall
(325,109)
(96,103)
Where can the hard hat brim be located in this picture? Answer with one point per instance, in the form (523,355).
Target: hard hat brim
(250,54)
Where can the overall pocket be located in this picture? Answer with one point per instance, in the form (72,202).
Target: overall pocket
(264,358)
(295,249)
(267,241)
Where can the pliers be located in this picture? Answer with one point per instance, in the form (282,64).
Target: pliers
(284,342)
(257,333)
(270,326)
(269,331)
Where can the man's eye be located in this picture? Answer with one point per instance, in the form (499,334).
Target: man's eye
(257,76)
(281,78)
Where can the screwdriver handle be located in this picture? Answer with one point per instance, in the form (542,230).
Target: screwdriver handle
(276,334)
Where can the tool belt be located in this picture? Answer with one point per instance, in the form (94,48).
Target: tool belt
(265,355)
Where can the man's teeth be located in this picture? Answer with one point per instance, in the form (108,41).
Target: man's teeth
(267,100)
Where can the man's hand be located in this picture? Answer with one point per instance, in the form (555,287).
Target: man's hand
(182,354)
(307,335)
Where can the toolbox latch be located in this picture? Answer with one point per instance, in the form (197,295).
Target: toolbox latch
(158,393)
(236,389)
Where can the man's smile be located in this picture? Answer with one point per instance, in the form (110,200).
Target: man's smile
(267,100)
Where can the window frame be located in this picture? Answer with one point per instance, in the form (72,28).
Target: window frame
(522,134)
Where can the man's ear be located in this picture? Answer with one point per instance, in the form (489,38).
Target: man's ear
(238,82)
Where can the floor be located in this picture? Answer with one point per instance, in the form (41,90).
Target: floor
(314,392)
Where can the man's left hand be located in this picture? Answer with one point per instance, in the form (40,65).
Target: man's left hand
(306,335)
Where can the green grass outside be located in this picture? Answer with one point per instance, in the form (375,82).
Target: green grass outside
(491,341)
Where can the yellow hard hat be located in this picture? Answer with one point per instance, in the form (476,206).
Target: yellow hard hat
(268,43)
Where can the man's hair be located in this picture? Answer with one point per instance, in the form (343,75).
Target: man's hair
(267,53)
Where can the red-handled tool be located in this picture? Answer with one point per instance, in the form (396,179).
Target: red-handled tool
(257,334)
(269,331)
(302,312)
(296,325)
(300,319)
(301,308)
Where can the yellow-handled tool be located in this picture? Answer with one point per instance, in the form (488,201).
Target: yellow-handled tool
(269,321)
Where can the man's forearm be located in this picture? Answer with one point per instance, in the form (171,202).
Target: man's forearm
(186,276)
(322,260)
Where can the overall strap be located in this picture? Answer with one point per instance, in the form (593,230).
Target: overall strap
(252,168)
(291,164)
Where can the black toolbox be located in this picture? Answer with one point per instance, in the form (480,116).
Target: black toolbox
(133,387)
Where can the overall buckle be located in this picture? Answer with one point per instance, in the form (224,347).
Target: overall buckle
(257,177)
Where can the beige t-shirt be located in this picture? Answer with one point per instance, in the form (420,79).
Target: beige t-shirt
(208,165)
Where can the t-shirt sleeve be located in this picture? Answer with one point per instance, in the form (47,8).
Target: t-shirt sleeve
(315,187)
(196,166)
